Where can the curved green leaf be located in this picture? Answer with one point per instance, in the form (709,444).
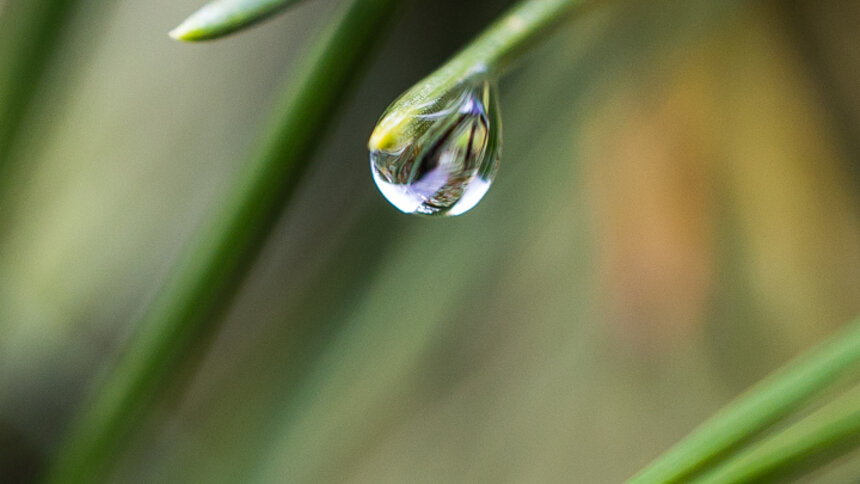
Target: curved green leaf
(222,17)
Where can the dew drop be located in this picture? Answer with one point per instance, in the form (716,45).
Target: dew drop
(441,157)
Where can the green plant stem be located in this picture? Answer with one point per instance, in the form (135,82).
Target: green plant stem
(503,42)
(185,311)
(222,17)
(818,438)
(30,32)
(760,407)
(495,50)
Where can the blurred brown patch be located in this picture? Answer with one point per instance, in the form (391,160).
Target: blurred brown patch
(651,186)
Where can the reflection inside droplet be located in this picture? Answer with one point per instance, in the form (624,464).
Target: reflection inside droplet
(439,158)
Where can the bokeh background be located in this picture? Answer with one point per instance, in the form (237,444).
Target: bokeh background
(677,213)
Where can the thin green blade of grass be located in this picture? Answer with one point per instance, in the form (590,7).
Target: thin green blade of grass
(756,410)
(222,17)
(815,440)
(185,312)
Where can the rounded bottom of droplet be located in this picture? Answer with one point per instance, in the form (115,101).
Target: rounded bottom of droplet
(411,201)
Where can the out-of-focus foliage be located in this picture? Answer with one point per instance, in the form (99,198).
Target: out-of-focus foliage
(675,215)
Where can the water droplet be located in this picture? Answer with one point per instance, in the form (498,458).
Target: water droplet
(440,157)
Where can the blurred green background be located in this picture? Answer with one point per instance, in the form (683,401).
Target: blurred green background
(677,213)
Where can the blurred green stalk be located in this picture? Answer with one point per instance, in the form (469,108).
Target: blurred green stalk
(185,312)
(823,436)
(30,32)
(761,406)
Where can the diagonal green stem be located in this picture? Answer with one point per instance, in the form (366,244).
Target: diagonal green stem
(818,438)
(498,46)
(185,311)
(761,406)
(222,17)
(494,51)
(30,32)
(503,42)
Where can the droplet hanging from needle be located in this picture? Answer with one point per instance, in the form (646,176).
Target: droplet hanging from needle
(440,157)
